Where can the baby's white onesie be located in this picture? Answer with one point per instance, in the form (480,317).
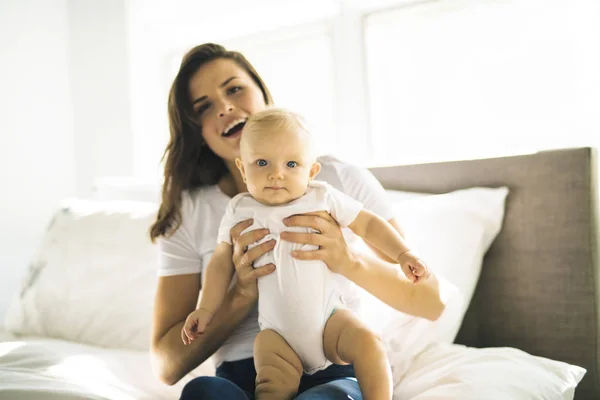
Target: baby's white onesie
(299,297)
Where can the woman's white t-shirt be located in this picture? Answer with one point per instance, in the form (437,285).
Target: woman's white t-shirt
(189,248)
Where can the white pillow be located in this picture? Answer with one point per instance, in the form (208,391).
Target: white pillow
(93,279)
(451,233)
(446,371)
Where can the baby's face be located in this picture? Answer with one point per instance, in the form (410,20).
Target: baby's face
(277,166)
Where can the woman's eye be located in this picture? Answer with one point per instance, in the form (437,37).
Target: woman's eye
(202,108)
(292,164)
(234,89)
(261,163)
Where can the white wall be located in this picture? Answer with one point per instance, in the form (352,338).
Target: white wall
(64,115)
(36,129)
(99,73)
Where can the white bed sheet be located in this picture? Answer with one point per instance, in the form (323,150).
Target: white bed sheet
(41,368)
(450,371)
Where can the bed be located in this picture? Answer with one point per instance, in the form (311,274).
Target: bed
(537,291)
(539,287)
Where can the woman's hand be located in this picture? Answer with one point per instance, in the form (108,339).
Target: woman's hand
(333,249)
(244,258)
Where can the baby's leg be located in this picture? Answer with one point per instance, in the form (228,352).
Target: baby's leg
(278,367)
(347,340)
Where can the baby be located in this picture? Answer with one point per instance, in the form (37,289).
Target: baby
(302,315)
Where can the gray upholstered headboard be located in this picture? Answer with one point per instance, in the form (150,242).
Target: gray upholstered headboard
(539,286)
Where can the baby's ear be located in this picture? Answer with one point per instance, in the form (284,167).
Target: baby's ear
(240,166)
(314,170)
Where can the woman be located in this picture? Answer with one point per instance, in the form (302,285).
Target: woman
(210,99)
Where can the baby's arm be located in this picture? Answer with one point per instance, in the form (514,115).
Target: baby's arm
(380,234)
(385,281)
(376,231)
(216,279)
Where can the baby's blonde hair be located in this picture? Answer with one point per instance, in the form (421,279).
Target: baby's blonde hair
(276,118)
(278,121)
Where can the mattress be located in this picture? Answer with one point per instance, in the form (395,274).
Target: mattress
(42,368)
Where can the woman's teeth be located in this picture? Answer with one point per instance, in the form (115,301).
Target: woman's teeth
(229,130)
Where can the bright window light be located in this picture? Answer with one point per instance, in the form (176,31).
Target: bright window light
(297,65)
(462,79)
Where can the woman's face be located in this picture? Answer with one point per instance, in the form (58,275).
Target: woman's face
(223,96)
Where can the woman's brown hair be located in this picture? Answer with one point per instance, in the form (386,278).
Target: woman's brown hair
(189,163)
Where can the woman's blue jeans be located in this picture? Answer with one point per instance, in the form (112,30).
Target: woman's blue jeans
(235,381)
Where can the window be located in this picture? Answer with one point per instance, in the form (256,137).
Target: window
(297,65)
(456,80)
(392,81)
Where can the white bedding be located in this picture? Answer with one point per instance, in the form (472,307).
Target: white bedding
(32,369)
(450,371)
(56,369)
(57,300)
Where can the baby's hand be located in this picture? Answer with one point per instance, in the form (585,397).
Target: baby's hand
(195,325)
(414,269)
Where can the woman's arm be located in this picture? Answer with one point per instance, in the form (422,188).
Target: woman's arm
(382,279)
(387,282)
(177,296)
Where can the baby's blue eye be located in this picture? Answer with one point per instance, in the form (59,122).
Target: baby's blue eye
(261,163)
(292,164)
